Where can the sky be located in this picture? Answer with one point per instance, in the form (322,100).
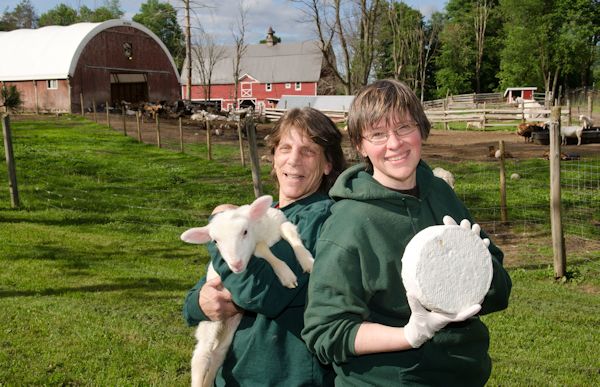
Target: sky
(219,16)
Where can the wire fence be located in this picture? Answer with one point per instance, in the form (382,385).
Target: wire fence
(527,186)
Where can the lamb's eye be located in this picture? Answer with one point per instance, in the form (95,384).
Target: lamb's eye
(245,232)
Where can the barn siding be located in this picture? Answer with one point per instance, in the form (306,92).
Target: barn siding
(48,100)
(104,54)
(225,93)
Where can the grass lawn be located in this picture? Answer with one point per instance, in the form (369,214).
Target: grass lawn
(93,274)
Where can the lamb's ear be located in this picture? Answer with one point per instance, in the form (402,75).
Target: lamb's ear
(196,235)
(260,206)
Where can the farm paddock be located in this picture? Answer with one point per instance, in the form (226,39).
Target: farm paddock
(443,148)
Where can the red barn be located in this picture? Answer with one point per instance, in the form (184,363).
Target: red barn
(267,71)
(55,67)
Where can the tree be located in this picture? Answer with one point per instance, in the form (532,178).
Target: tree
(240,47)
(549,43)
(110,10)
(470,41)
(455,62)
(207,55)
(406,45)
(61,15)
(345,30)
(23,16)
(480,19)
(10,97)
(161,18)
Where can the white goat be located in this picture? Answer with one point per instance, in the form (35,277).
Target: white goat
(567,131)
(444,174)
(239,233)
(571,131)
(586,122)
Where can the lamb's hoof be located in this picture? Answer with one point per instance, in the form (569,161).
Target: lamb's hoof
(306,260)
(291,285)
(288,278)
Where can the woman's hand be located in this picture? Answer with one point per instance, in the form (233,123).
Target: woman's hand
(423,324)
(215,300)
(466,224)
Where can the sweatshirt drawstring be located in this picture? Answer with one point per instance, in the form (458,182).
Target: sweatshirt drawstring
(412,224)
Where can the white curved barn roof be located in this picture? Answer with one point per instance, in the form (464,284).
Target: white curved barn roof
(53,52)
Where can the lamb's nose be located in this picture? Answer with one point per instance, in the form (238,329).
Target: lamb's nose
(236,266)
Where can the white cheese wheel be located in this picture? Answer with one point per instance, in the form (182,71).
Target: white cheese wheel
(447,268)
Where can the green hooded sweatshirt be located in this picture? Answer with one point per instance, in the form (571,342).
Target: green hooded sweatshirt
(267,349)
(356,278)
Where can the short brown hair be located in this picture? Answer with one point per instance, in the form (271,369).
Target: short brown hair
(321,130)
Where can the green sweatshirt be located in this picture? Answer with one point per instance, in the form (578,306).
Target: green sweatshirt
(356,278)
(267,349)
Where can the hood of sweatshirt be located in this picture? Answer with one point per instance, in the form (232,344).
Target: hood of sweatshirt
(358,184)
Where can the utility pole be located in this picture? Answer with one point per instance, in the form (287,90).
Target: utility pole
(188,51)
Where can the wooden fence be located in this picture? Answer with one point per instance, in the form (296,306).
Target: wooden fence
(477,118)
(494,117)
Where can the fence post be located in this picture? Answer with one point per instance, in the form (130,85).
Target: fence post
(558,241)
(10,162)
(569,117)
(138,125)
(503,210)
(81,101)
(180,136)
(589,105)
(208,143)
(254,161)
(107,114)
(124,119)
(241,141)
(445,114)
(157,129)
(94,109)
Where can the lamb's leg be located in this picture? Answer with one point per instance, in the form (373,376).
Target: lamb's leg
(203,363)
(289,232)
(284,273)
(213,341)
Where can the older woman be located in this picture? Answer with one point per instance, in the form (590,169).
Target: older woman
(267,349)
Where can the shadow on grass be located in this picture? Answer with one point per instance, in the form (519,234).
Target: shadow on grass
(145,284)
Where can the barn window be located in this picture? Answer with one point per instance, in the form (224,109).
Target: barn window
(298,86)
(268,87)
(128,50)
(52,83)
(288,85)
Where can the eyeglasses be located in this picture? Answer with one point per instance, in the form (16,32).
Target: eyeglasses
(380,137)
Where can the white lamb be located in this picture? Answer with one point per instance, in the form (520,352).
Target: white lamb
(444,174)
(239,233)
(571,131)
(586,121)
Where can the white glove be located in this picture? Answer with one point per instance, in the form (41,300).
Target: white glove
(423,324)
(449,221)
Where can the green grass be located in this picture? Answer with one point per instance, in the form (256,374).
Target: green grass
(93,274)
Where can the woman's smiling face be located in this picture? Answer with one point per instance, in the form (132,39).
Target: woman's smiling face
(299,164)
(395,161)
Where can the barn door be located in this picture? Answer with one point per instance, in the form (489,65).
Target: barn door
(246,88)
(128,87)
